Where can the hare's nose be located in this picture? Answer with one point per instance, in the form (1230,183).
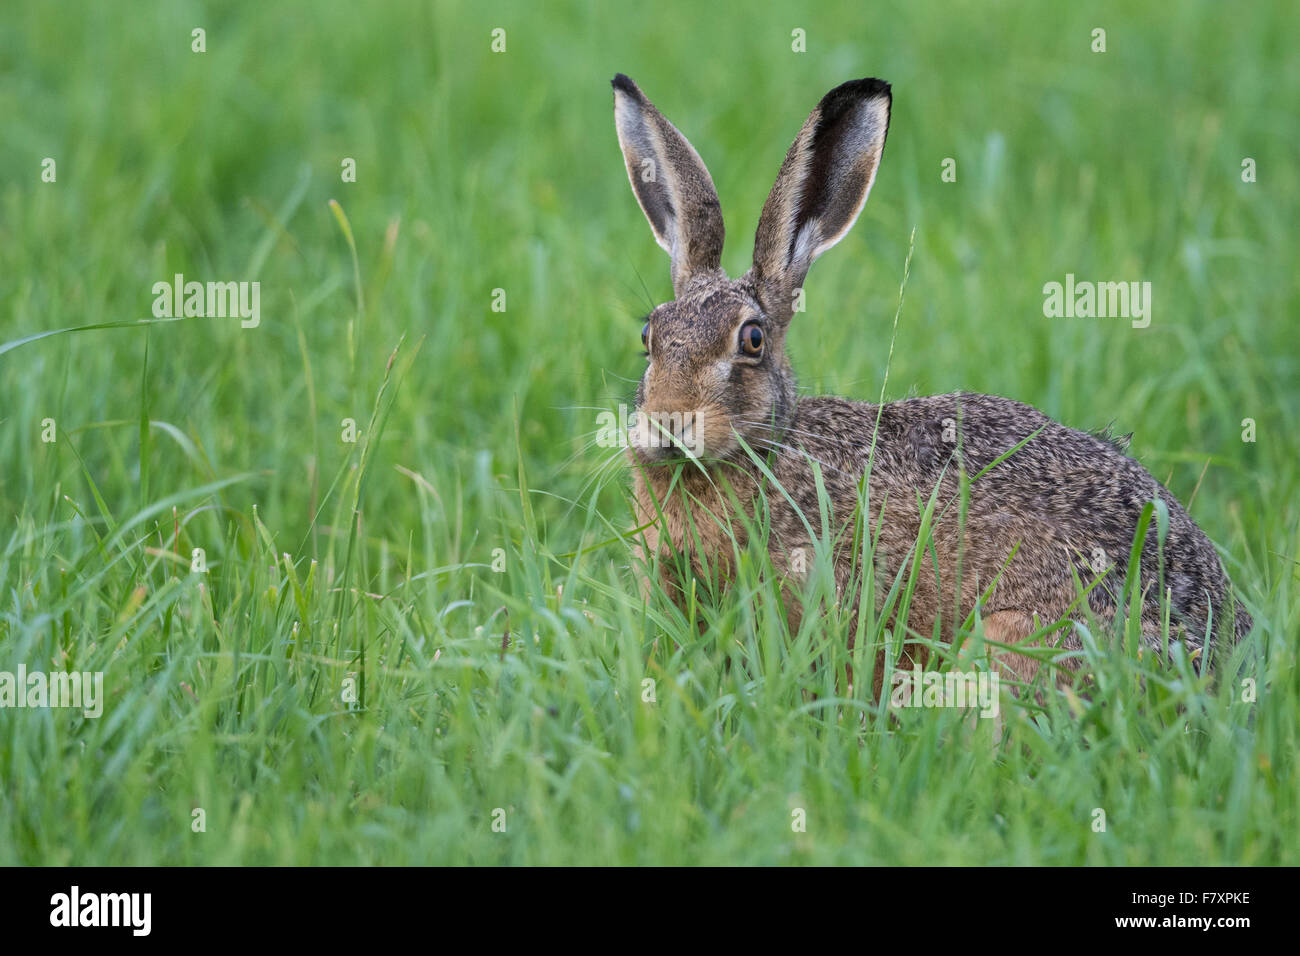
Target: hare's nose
(663,434)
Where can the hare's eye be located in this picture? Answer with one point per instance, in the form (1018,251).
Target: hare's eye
(751,338)
(645,336)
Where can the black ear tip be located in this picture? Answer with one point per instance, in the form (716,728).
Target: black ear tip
(871,86)
(854,91)
(864,89)
(623,83)
(848,96)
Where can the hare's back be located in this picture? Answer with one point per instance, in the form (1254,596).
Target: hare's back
(1068,501)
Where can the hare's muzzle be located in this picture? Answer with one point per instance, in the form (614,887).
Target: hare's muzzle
(660,435)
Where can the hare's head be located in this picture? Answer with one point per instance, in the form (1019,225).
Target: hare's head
(717,366)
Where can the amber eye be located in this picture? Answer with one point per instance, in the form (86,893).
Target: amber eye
(751,338)
(645,336)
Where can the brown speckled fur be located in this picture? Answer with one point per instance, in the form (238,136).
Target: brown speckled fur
(1055,501)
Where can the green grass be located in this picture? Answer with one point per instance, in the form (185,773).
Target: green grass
(523,689)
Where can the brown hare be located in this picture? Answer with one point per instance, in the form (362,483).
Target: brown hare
(1058,512)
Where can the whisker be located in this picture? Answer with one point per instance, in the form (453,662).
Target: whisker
(803,453)
(602,471)
(581,452)
(609,460)
(621,378)
(789,429)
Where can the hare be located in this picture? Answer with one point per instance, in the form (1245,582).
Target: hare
(1058,511)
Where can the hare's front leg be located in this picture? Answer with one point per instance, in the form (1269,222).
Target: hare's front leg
(1011,627)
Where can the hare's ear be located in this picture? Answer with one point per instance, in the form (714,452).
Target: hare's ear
(674,189)
(821,188)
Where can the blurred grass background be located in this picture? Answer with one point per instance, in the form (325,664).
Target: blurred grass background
(479,171)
